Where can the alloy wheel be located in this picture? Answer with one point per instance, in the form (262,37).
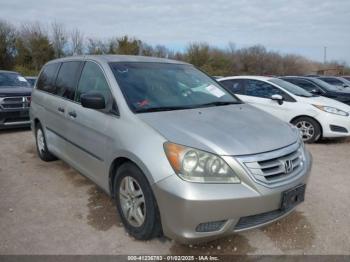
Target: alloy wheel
(40,141)
(307,130)
(132,201)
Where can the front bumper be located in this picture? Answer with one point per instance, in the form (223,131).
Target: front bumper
(14,118)
(184,206)
(341,124)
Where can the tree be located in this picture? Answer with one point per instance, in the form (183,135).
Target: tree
(7,45)
(33,47)
(197,54)
(96,47)
(59,39)
(128,46)
(77,42)
(161,51)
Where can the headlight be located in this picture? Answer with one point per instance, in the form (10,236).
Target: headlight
(332,110)
(198,166)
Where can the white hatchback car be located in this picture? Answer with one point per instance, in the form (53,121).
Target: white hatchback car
(315,116)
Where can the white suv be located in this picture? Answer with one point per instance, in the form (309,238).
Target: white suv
(315,116)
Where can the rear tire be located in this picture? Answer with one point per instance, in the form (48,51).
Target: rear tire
(309,128)
(41,145)
(136,204)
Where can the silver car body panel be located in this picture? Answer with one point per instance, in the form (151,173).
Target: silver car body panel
(211,129)
(93,140)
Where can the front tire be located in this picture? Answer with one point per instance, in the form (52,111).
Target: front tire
(41,145)
(136,204)
(309,128)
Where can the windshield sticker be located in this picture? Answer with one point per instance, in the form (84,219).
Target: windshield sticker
(215,91)
(21,78)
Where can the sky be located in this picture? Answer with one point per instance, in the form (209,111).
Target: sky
(302,27)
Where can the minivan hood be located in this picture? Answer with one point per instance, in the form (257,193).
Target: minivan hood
(15,91)
(225,130)
(325,101)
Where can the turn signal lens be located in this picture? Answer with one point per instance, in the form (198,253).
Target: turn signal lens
(174,153)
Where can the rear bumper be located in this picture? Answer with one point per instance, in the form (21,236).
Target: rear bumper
(14,118)
(185,206)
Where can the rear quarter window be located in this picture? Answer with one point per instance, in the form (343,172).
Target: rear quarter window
(235,86)
(46,80)
(67,79)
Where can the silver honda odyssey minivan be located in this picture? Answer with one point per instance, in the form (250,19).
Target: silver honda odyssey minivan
(179,155)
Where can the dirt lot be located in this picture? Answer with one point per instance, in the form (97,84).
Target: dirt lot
(48,208)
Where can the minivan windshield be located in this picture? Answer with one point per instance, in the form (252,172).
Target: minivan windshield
(9,79)
(295,90)
(150,87)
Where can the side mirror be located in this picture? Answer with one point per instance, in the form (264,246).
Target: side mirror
(315,91)
(277,98)
(93,100)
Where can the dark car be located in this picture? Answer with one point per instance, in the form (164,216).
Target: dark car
(316,86)
(31,80)
(15,97)
(346,77)
(335,81)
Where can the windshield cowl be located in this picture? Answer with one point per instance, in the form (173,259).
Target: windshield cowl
(159,109)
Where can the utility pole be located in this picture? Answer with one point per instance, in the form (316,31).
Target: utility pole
(325,55)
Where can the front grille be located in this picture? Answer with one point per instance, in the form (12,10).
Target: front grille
(255,220)
(275,167)
(19,102)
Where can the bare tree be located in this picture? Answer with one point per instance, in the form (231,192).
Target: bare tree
(33,48)
(96,47)
(160,51)
(59,39)
(7,45)
(77,41)
(198,54)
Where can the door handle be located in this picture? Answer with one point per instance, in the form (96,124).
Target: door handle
(61,109)
(72,114)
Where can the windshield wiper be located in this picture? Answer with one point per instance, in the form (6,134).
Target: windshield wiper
(170,108)
(304,95)
(219,103)
(159,109)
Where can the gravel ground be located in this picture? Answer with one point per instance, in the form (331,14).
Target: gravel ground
(49,208)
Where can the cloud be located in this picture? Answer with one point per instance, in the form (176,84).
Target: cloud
(301,26)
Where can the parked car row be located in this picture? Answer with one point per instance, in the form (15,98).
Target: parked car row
(316,116)
(319,87)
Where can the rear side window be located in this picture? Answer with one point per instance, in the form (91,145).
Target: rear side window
(332,81)
(261,89)
(67,79)
(46,80)
(235,86)
(308,86)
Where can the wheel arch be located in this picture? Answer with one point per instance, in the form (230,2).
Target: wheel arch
(118,162)
(36,122)
(295,118)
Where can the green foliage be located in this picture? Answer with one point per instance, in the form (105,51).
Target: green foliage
(197,54)
(25,71)
(33,48)
(125,46)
